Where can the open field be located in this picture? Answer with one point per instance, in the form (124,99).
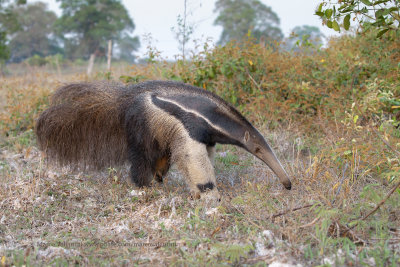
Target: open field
(332,116)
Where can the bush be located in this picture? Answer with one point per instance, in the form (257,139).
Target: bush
(36,61)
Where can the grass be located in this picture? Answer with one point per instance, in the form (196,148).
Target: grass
(341,168)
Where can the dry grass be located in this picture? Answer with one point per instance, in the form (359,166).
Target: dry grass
(55,216)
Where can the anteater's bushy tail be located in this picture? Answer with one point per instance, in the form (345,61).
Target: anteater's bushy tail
(83,126)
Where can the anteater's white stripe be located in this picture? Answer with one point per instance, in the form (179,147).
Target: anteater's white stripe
(195,112)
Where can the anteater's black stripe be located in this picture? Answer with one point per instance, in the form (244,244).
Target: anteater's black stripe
(198,128)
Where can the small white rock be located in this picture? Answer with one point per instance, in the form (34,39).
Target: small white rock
(212,211)
(328,261)
(261,250)
(16,204)
(135,193)
(371,261)
(269,235)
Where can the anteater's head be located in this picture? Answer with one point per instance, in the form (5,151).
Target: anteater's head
(255,143)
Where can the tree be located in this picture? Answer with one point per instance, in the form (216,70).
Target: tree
(239,17)
(87,25)
(36,35)
(4,50)
(381,14)
(8,25)
(304,36)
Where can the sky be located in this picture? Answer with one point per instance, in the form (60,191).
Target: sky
(155,18)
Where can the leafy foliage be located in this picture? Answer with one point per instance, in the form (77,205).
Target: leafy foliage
(4,50)
(381,14)
(36,35)
(8,22)
(238,18)
(87,25)
(303,37)
(8,25)
(257,78)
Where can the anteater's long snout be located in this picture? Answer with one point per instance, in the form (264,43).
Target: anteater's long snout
(268,156)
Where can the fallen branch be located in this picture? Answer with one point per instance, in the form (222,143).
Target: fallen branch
(385,142)
(309,224)
(377,206)
(291,210)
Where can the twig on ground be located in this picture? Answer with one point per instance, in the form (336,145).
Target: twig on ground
(291,210)
(216,230)
(309,224)
(385,142)
(377,206)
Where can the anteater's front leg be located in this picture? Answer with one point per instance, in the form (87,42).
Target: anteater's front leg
(141,169)
(161,168)
(191,158)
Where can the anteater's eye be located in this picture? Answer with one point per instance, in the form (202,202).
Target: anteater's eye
(258,150)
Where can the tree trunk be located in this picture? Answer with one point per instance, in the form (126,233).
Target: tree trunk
(91,63)
(109,54)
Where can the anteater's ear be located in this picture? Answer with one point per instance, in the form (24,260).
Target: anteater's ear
(246,137)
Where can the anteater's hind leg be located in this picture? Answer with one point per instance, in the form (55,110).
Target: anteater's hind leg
(192,160)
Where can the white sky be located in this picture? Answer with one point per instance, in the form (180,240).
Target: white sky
(156,17)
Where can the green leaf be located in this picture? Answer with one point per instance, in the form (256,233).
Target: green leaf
(379,35)
(386,11)
(318,13)
(346,22)
(355,119)
(328,13)
(335,26)
(379,13)
(380,2)
(363,10)
(366,2)
(329,24)
(349,9)
(320,7)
